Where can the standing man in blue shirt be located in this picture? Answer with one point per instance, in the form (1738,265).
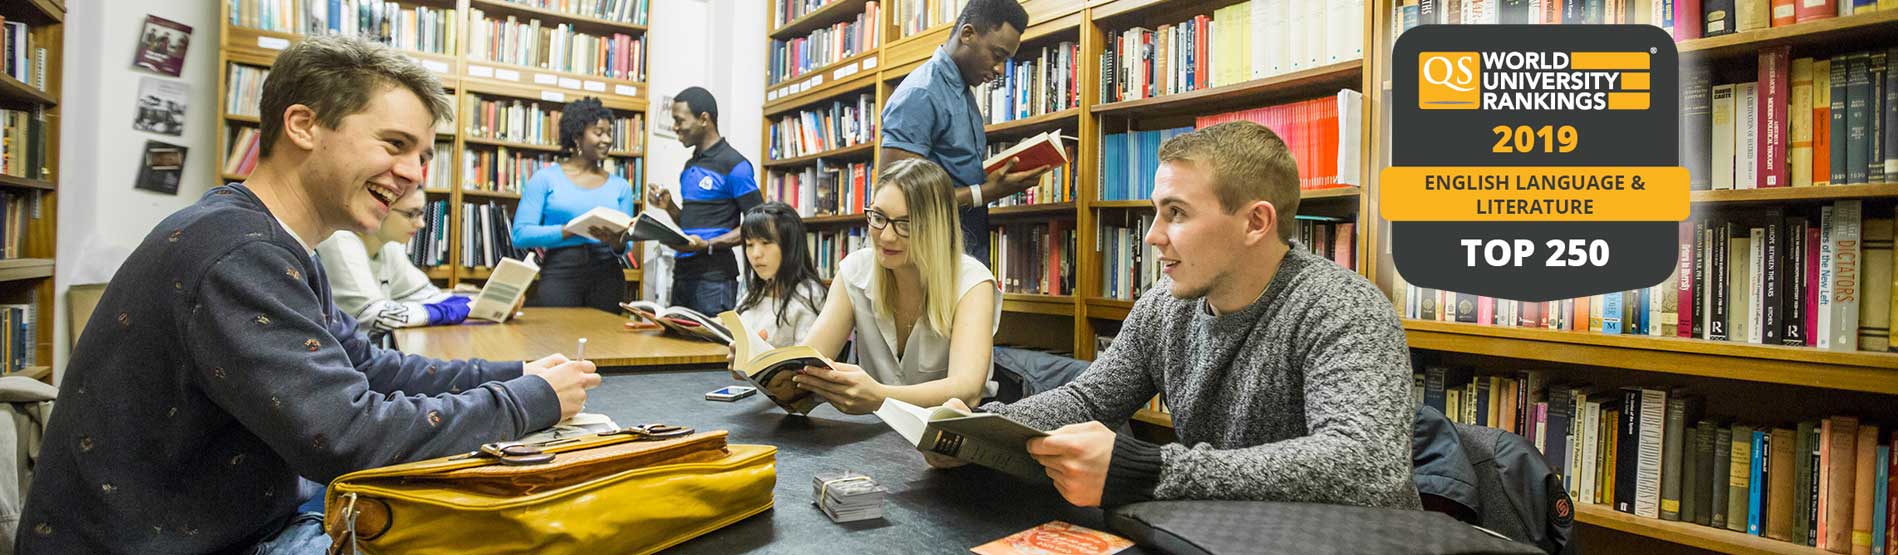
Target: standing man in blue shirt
(718,186)
(933,113)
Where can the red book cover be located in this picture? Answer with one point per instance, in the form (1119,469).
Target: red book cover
(1687,19)
(1685,322)
(1300,142)
(1328,146)
(1812,283)
(1771,170)
(1812,10)
(1783,13)
(1200,48)
(1042,150)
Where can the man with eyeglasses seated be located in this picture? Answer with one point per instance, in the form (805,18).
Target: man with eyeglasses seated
(374,280)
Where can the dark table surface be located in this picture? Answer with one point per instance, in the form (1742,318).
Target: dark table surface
(926,511)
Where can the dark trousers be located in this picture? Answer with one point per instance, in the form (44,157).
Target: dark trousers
(586,276)
(708,296)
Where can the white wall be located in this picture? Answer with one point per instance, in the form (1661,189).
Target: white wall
(101,216)
(716,44)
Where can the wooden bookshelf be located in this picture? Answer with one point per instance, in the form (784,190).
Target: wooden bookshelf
(24,183)
(1052,209)
(1297,85)
(834,12)
(1154,417)
(1035,124)
(840,219)
(853,152)
(1796,194)
(1028,303)
(28,279)
(816,88)
(461,75)
(1693,535)
(1854,29)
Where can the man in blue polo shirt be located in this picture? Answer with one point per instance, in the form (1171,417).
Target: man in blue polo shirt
(933,114)
(718,186)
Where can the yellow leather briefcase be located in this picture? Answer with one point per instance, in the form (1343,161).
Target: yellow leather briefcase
(634,490)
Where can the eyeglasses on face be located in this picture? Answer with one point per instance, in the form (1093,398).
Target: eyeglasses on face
(878,220)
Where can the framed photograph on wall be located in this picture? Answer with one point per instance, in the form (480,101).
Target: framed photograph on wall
(161,46)
(662,120)
(161,168)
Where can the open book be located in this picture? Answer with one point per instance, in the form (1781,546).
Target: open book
(1035,152)
(990,440)
(601,216)
(655,225)
(504,289)
(770,370)
(684,321)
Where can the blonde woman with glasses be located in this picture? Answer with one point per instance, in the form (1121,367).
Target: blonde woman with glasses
(924,314)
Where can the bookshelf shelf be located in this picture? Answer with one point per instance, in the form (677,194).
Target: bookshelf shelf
(842,219)
(478,273)
(862,151)
(253,120)
(510,144)
(490,194)
(825,89)
(24,183)
(1154,417)
(34,12)
(1120,204)
(1027,303)
(1109,309)
(1034,124)
(232,178)
(1694,535)
(826,71)
(537,80)
(1805,366)
(1792,194)
(261,46)
(19,94)
(578,20)
(916,47)
(21,269)
(1044,26)
(837,11)
(1296,85)
(1854,29)
(427,191)
(1027,210)
(626,153)
(440,272)
(525,91)
(41,373)
(1104,10)
(1351,192)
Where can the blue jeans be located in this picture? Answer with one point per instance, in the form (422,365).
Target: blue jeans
(302,535)
(708,296)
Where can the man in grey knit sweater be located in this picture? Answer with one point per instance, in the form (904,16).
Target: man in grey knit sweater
(1287,374)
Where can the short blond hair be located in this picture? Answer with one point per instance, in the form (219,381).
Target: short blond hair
(1248,163)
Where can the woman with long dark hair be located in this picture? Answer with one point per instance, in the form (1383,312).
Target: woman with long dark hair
(782,292)
(580,270)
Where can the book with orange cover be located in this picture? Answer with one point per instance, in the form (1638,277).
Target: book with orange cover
(1039,151)
(1863,487)
(1055,538)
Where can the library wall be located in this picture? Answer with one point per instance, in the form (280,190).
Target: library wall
(101,216)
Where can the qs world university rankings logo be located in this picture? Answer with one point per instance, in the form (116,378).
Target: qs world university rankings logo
(1534,162)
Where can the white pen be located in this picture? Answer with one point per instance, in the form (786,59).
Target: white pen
(580,352)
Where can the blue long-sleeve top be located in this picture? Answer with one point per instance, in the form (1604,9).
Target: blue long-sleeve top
(551,200)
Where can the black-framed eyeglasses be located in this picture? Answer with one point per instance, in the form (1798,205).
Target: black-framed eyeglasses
(878,220)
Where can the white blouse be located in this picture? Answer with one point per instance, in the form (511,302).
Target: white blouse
(798,316)
(926,353)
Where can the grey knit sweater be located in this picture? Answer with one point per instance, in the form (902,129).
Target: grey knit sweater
(1302,396)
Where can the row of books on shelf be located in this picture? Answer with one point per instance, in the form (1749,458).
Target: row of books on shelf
(915,16)
(1129,265)
(1033,258)
(531,122)
(786,11)
(829,247)
(505,170)
(1046,83)
(1332,238)
(17,210)
(1055,185)
(1241,42)
(621,11)
(1651,452)
(19,330)
(21,56)
(241,152)
(408,27)
(23,143)
(1805,122)
(485,232)
(825,189)
(244,90)
(1777,276)
(1684,19)
(1721,17)
(441,168)
(796,57)
(556,47)
(1322,135)
(429,247)
(845,122)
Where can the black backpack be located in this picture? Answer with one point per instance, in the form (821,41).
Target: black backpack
(1492,479)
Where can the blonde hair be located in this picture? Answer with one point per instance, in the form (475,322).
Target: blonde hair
(1248,163)
(935,240)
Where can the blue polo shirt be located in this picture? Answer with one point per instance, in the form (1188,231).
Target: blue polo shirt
(933,114)
(716,187)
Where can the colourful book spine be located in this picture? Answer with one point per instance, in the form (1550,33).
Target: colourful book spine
(1756,485)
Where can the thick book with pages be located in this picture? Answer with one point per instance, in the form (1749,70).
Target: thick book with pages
(688,323)
(770,370)
(987,439)
(1035,152)
(504,289)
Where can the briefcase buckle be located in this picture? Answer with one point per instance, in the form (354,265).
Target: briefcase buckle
(514,453)
(651,432)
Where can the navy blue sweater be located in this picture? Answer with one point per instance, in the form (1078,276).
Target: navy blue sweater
(216,371)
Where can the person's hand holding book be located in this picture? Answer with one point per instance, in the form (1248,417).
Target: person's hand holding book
(1076,456)
(941,461)
(1006,181)
(846,386)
